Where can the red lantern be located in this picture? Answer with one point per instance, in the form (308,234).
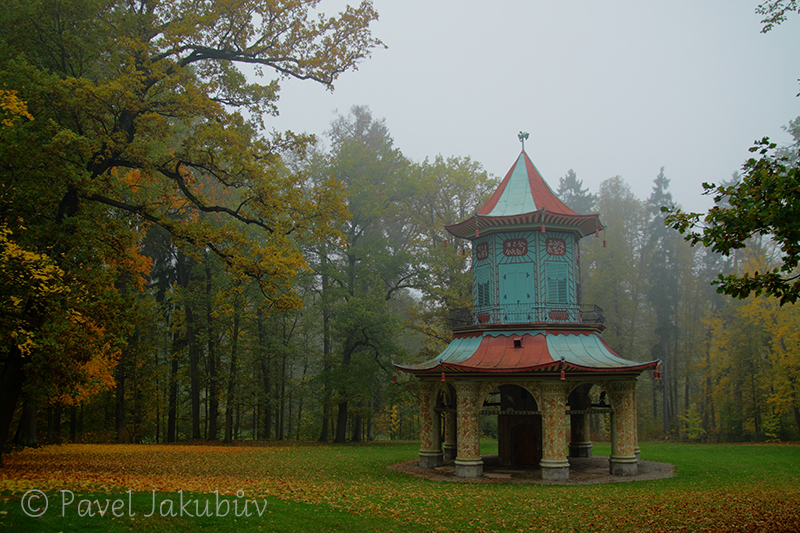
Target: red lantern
(443,377)
(563,375)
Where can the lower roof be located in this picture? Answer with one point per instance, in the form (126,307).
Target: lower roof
(526,351)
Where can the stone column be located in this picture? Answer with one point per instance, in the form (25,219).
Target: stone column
(554,464)
(580,445)
(430,449)
(468,461)
(449,447)
(623,460)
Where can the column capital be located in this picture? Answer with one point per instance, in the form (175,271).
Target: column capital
(620,386)
(468,388)
(553,389)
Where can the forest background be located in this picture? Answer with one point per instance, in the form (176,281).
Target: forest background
(172,272)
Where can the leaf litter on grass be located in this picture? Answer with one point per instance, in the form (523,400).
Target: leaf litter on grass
(355,479)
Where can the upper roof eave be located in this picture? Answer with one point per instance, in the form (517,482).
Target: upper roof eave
(472,227)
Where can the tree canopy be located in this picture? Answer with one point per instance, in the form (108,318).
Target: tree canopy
(775,12)
(765,202)
(142,115)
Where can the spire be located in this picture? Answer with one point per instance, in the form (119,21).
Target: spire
(523,191)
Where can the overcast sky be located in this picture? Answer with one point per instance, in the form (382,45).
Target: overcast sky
(603,87)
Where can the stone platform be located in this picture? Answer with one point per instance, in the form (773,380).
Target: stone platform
(582,471)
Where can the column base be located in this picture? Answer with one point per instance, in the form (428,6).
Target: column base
(580,449)
(449,452)
(623,466)
(554,470)
(430,459)
(469,468)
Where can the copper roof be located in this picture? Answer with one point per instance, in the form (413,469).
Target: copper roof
(524,198)
(535,350)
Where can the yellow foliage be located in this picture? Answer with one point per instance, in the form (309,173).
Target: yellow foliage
(25,275)
(12,107)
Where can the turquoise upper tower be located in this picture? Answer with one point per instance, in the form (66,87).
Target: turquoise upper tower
(525,255)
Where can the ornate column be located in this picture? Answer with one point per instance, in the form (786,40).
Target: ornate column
(580,444)
(468,461)
(449,446)
(623,461)
(554,464)
(430,450)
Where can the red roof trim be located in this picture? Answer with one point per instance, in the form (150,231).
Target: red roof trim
(543,195)
(554,367)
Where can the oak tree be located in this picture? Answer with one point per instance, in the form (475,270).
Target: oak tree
(145,114)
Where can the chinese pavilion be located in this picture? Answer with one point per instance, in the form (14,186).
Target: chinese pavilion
(527,351)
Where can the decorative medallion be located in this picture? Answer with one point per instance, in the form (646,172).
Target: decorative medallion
(515,247)
(482,251)
(556,246)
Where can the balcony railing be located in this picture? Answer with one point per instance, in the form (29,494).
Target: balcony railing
(526,314)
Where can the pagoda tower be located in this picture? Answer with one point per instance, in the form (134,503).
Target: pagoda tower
(528,350)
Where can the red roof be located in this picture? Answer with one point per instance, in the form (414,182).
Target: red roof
(524,199)
(528,351)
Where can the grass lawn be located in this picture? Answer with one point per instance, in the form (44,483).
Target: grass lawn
(310,487)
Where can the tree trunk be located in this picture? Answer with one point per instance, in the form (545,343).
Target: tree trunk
(326,346)
(73,423)
(282,401)
(795,409)
(194,373)
(666,375)
(231,396)
(54,424)
(122,434)
(264,361)
(756,418)
(213,364)
(341,423)
(341,419)
(26,431)
(11,380)
(358,422)
(172,408)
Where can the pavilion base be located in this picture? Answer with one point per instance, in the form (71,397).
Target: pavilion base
(623,466)
(554,471)
(580,449)
(469,469)
(430,459)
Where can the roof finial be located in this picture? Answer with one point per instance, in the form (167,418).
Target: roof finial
(522,136)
